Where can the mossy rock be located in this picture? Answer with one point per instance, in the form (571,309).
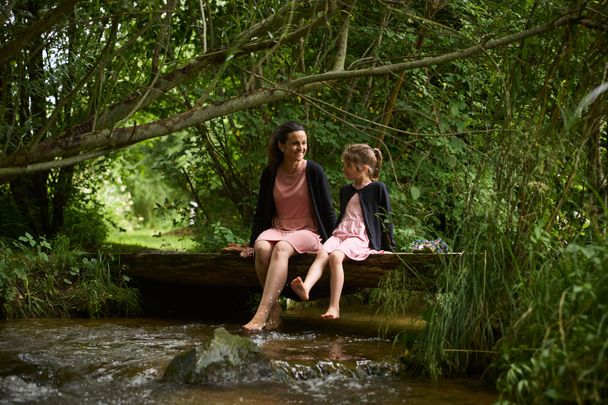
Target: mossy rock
(225,359)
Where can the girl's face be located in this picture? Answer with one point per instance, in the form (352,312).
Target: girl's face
(295,147)
(353,173)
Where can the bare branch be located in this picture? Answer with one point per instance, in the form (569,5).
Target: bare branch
(163,36)
(204,29)
(342,43)
(243,45)
(435,60)
(25,37)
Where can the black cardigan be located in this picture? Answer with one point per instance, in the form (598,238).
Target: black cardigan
(376,207)
(318,190)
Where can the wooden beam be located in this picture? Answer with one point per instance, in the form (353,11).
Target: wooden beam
(230,270)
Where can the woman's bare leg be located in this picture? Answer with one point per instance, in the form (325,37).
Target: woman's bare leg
(302,288)
(274,318)
(266,315)
(336,282)
(263,253)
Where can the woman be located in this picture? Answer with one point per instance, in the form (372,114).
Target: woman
(294,215)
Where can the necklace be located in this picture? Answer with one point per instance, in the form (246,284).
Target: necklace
(290,178)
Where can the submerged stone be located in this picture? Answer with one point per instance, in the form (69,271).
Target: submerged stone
(225,359)
(181,368)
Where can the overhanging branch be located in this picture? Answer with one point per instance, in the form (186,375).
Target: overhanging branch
(54,151)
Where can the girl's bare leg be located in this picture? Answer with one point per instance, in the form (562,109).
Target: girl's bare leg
(266,315)
(336,282)
(302,288)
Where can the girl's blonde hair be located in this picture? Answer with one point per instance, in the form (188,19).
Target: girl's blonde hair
(361,154)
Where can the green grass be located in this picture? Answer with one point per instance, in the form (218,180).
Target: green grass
(42,279)
(151,239)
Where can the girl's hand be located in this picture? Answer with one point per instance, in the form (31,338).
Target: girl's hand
(247,252)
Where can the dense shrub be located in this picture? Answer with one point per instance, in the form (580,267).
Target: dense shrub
(39,278)
(557,349)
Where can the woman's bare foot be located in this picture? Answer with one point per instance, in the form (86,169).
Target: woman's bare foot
(274,319)
(332,313)
(258,322)
(297,285)
(254,326)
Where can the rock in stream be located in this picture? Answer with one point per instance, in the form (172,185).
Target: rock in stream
(225,359)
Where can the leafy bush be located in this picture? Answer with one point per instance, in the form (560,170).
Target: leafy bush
(85,226)
(567,359)
(212,238)
(39,278)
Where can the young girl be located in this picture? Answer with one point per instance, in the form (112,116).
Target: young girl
(364,226)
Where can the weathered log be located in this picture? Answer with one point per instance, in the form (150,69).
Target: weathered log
(229,270)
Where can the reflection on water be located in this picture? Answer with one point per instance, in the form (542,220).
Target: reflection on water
(121,361)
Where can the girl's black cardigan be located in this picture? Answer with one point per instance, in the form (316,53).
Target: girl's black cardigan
(376,207)
(320,197)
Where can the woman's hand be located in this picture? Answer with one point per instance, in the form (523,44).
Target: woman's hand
(247,252)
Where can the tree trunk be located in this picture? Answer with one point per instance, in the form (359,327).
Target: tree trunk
(31,197)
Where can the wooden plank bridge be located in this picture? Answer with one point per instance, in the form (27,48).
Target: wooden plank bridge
(230,271)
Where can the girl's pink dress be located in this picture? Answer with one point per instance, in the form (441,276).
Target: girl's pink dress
(293,221)
(350,236)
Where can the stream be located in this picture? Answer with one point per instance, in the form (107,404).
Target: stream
(122,360)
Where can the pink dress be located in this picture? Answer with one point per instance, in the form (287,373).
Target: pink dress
(293,221)
(350,236)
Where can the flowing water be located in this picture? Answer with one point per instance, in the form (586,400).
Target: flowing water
(121,361)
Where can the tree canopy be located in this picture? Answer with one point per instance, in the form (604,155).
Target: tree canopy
(82,79)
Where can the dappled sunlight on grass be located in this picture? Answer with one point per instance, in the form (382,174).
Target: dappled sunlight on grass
(152,239)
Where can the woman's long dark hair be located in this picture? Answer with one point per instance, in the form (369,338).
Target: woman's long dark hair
(275,156)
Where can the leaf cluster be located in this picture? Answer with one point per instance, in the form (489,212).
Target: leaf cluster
(39,278)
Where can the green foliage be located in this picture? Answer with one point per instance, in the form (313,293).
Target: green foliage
(394,293)
(214,237)
(39,278)
(566,359)
(508,187)
(154,179)
(101,292)
(85,225)
(468,313)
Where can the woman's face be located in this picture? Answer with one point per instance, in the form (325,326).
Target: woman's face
(295,147)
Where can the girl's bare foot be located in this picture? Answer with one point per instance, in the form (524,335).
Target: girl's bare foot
(297,285)
(332,313)
(274,319)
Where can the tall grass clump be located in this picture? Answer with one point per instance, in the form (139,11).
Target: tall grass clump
(530,314)
(469,310)
(39,278)
(526,306)
(557,349)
